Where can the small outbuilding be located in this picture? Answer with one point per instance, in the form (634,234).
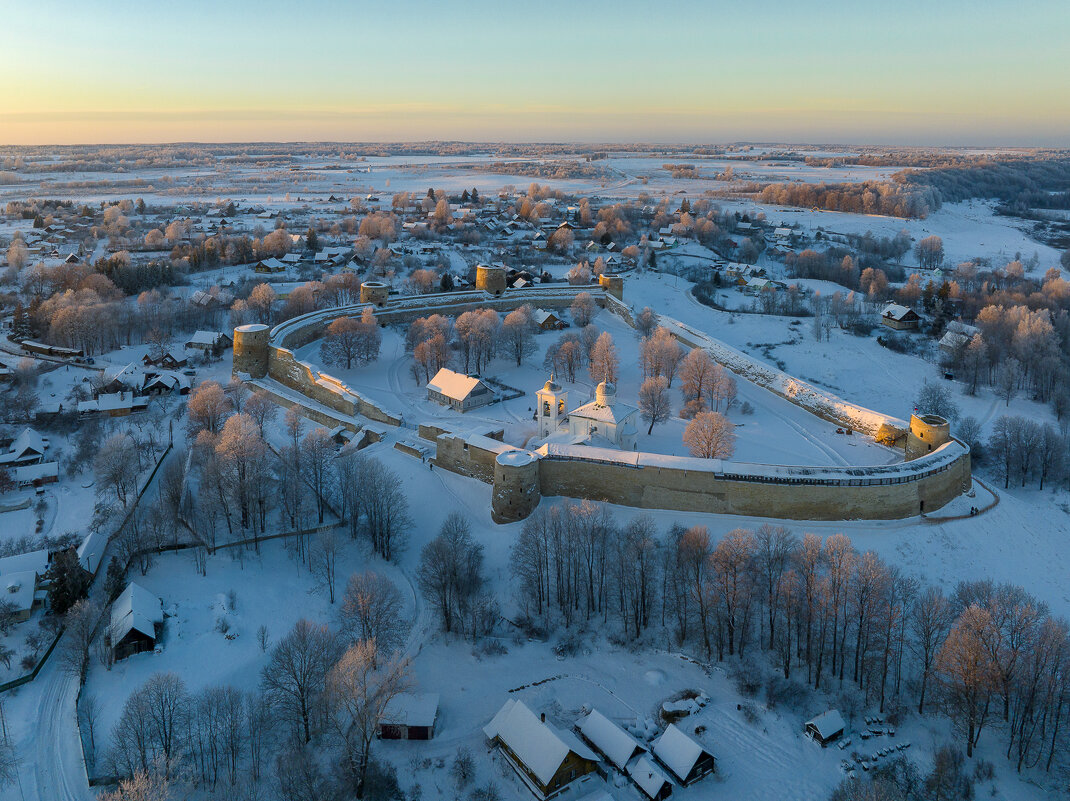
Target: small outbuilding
(458,391)
(900,318)
(409,716)
(826,727)
(686,760)
(649,778)
(136,618)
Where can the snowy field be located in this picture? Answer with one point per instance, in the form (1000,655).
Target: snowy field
(1024,539)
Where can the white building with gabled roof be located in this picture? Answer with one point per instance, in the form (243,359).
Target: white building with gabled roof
(458,391)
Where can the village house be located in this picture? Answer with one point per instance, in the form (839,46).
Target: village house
(826,727)
(409,716)
(686,760)
(171,360)
(956,337)
(547,759)
(35,475)
(458,391)
(23,582)
(27,448)
(114,404)
(208,340)
(899,317)
(136,618)
(547,320)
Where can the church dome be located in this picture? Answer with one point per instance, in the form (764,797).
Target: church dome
(605,393)
(551,385)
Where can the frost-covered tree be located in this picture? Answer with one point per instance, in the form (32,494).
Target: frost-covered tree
(710,435)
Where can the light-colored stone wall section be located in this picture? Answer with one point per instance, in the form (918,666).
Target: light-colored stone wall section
(927,433)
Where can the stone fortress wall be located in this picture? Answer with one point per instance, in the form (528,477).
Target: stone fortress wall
(936,471)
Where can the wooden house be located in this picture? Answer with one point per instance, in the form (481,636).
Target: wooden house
(547,759)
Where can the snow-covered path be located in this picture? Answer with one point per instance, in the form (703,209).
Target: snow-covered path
(58,772)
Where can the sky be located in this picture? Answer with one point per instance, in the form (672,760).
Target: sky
(939,72)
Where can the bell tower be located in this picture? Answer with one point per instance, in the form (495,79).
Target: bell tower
(551,408)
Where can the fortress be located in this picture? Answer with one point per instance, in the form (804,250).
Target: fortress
(935,471)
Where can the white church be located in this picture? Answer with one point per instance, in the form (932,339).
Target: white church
(603,422)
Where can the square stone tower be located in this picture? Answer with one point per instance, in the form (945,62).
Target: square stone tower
(551,408)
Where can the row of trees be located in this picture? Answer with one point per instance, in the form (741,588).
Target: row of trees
(816,608)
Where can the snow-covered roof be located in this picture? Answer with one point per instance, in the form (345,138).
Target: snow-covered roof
(613,412)
(618,746)
(677,751)
(896,311)
(91,551)
(540,316)
(827,723)
(206,338)
(541,747)
(35,472)
(646,774)
(136,609)
(18,588)
(456,386)
(36,561)
(27,443)
(411,709)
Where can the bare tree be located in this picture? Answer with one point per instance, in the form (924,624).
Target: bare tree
(324,557)
(645,322)
(450,573)
(967,672)
(518,333)
(295,677)
(360,689)
(929,622)
(373,609)
(80,622)
(654,402)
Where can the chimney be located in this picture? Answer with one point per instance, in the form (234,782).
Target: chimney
(542,717)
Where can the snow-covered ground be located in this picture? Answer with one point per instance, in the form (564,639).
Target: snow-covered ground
(1024,539)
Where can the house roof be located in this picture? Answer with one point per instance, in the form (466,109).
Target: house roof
(646,774)
(136,609)
(541,747)
(35,472)
(618,746)
(678,752)
(208,338)
(411,709)
(27,443)
(36,561)
(827,723)
(540,316)
(895,311)
(456,386)
(18,588)
(91,551)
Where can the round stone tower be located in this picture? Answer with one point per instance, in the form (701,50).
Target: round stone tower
(374,292)
(490,279)
(613,284)
(516,486)
(251,349)
(927,433)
